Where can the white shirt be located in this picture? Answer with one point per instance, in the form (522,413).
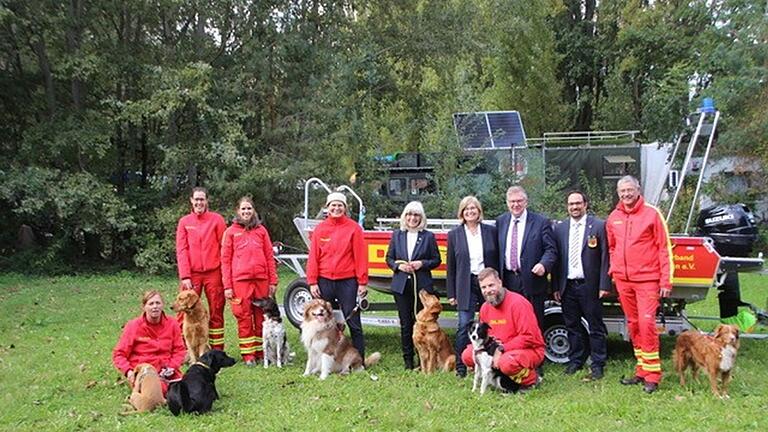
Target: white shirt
(520,231)
(575,267)
(410,241)
(475,246)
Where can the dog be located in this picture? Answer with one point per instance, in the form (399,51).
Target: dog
(435,351)
(483,348)
(275,346)
(328,350)
(196,391)
(195,329)
(715,354)
(147,393)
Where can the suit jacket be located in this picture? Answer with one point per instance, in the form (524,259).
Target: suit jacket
(425,251)
(594,260)
(538,247)
(458,281)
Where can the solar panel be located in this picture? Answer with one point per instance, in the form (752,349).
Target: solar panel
(489,130)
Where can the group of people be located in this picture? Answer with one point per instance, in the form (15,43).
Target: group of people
(507,269)
(234,264)
(504,270)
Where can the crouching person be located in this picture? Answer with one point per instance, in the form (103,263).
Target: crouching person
(513,323)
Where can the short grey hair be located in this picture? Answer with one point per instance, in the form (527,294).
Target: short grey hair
(413,207)
(517,189)
(628,179)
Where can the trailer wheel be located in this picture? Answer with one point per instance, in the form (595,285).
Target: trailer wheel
(556,338)
(296,297)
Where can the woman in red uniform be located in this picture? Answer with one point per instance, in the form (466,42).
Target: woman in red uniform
(248,273)
(151,338)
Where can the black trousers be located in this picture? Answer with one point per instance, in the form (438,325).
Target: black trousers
(514,282)
(408,305)
(344,293)
(582,301)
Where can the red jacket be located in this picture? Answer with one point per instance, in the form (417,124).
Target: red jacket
(338,251)
(160,345)
(513,323)
(198,243)
(638,244)
(247,255)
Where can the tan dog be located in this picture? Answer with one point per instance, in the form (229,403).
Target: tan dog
(147,391)
(195,328)
(328,350)
(431,342)
(715,354)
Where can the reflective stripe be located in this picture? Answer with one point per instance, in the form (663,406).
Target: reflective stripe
(652,367)
(249,340)
(250,350)
(216,331)
(521,375)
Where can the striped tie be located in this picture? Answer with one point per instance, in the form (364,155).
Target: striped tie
(574,248)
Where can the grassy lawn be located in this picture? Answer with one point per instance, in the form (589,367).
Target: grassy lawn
(56,337)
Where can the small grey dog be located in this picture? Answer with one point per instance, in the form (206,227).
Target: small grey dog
(275,346)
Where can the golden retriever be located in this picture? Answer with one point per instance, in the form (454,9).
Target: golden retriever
(147,393)
(328,350)
(195,328)
(435,351)
(715,354)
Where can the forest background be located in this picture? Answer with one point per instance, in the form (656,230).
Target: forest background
(110,111)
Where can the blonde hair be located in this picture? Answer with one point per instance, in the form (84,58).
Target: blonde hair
(413,207)
(465,202)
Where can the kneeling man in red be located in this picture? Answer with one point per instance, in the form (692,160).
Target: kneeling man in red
(513,323)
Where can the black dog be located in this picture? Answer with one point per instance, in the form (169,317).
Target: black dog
(484,346)
(196,392)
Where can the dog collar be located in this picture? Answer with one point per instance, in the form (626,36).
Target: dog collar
(200,364)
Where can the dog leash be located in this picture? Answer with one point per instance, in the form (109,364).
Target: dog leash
(415,286)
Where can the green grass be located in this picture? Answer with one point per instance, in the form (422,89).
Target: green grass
(56,337)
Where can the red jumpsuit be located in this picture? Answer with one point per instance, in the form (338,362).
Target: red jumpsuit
(198,244)
(160,345)
(514,324)
(248,268)
(641,264)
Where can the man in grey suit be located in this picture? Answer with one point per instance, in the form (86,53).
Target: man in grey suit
(580,281)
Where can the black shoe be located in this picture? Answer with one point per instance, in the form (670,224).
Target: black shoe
(461,373)
(408,362)
(572,368)
(540,371)
(632,381)
(650,387)
(597,373)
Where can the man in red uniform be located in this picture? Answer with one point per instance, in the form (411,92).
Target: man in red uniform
(641,266)
(514,324)
(198,247)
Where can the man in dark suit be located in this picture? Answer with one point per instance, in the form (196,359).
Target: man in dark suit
(527,250)
(580,281)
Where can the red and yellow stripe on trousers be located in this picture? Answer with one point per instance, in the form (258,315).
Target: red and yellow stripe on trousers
(216,338)
(250,346)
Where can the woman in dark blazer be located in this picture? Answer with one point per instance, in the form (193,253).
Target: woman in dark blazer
(471,247)
(412,255)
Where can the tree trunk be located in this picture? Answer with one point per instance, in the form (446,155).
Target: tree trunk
(38,47)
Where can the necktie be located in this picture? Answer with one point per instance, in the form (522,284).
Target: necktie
(574,248)
(513,262)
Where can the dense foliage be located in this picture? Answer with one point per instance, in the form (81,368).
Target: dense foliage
(111,110)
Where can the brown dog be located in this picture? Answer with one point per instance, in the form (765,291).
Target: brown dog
(715,354)
(328,351)
(195,329)
(147,393)
(430,340)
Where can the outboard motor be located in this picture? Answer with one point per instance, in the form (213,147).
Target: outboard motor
(732,227)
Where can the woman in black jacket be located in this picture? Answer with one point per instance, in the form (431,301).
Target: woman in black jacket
(412,255)
(471,248)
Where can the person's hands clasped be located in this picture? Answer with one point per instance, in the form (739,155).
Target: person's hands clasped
(416,265)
